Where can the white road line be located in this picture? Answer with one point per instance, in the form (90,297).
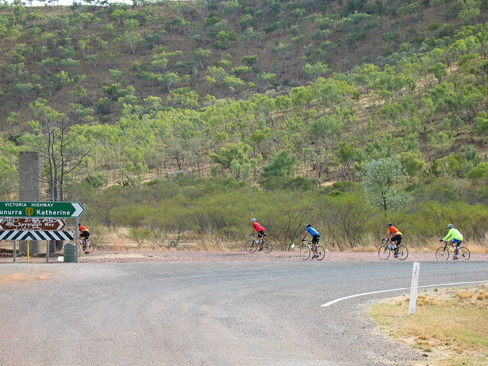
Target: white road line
(397,289)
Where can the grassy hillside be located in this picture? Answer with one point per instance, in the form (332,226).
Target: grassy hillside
(245,47)
(247,95)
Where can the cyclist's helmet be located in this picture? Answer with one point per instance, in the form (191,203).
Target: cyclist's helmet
(389,224)
(450,226)
(253,220)
(309,225)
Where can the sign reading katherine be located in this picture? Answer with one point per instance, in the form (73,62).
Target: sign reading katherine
(41,209)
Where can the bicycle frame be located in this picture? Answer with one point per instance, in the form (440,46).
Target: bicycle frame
(386,248)
(318,253)
(266,247)
(443,253)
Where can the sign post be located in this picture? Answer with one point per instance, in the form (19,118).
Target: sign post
(38,218)
(413,290)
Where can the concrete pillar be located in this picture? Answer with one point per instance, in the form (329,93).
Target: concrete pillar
(29,189)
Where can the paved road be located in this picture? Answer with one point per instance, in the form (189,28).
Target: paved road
(215,314)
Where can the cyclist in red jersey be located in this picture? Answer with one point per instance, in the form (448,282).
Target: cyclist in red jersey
(259,230)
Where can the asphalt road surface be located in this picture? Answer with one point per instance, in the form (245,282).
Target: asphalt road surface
(215,314)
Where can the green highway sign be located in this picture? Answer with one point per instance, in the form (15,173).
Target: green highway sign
(41,209)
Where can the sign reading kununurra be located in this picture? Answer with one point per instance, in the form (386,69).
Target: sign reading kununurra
(41,209)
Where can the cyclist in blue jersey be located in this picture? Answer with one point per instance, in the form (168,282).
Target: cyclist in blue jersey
(315,238)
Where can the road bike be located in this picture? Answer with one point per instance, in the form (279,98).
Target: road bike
(86,246)
(306,251)
(253,245)
(442,253)
(384,251)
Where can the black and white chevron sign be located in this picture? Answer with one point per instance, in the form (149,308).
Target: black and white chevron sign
(35,235)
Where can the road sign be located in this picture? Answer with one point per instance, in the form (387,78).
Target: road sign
(36,235)
(32,223)
(41,209)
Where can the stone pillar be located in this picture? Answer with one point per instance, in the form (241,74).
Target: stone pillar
(29,189)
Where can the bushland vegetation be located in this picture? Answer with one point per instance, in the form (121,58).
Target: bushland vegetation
(162,211)
(185,119)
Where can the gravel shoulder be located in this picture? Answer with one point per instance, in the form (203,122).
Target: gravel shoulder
(107,256)
(219,256)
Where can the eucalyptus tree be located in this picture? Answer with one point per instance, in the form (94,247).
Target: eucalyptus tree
(183,97)
(281,164)
(235,157)
(266,78)
(8,168)
(23,89)
(384,181)
(282,49)
(347,155)
(62,150)
(201,55)
(233,83)
(326,129)
(217,73)
(481,121)
(132,39)
(316,70)
(170,79)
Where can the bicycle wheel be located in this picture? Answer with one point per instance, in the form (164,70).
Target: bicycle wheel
(442,254)
(267,247)
(320,252)
(464,254)
(87,247)
(402,252)
(251,246)
(384,252)
(305,252)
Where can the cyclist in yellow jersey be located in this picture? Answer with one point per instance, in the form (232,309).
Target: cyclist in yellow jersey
(455,237)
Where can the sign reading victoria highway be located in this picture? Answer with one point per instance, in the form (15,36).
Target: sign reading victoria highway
(41,209)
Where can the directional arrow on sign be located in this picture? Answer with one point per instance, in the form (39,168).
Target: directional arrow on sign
(44,224)
(78,209)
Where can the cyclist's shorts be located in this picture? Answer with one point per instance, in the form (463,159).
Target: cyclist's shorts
(261,234)
(456,241)
(315,239)
(397,238)
(85,234)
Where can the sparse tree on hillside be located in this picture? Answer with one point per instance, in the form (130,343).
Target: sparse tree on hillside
(61,149)
(281,164)
(202,55)
(383,181)
(346,153)
(315,71)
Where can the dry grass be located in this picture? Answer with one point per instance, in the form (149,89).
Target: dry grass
(431,247)
(450,324)
(121,240)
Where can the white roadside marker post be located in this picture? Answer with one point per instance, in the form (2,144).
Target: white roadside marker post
(413,289)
